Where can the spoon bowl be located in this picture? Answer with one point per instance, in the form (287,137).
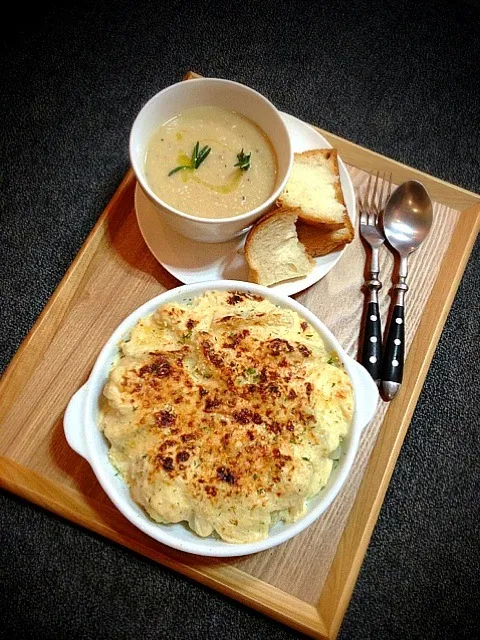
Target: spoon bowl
(408,217)
(406,222)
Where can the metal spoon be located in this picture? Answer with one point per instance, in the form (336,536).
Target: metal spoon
(406,220)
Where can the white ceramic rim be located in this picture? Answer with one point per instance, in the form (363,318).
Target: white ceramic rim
(244,216)
(105,472)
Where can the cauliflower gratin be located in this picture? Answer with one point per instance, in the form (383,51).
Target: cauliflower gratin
(224,412)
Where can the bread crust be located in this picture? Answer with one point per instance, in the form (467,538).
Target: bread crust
(317,236)
(320,242)
(331,156)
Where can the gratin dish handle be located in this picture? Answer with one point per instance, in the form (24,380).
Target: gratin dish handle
(73,422)
(368,396)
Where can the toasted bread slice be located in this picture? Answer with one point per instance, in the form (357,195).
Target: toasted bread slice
(272,250)
(314,187)
(321,241)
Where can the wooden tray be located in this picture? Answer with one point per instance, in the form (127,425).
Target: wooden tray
(307,582)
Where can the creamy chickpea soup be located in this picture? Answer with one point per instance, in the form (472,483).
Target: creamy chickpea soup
(211,162)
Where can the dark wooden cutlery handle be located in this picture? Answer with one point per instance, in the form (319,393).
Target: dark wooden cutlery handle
(372,341)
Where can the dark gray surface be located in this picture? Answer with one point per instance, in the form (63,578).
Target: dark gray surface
(400,78)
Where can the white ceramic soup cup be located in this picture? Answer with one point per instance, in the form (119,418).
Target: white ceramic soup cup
(84,436)
(218,93)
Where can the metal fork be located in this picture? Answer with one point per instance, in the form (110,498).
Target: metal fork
(371,208)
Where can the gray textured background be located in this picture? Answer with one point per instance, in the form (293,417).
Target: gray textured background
(398,77)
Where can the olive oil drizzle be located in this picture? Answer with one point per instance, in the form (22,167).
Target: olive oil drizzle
(229,187)
(188,174)
(198,156)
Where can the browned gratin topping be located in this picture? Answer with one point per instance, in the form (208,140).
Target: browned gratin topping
(224,412)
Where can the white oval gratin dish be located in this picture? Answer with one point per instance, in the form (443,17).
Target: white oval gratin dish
(84,436)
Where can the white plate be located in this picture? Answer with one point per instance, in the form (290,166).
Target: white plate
(191,261)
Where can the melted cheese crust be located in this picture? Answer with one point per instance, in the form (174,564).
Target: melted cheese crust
(224,413)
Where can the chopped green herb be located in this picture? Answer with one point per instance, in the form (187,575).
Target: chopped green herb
(243,161)
(198,156)
(251,375)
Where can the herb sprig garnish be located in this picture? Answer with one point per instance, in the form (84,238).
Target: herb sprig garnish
(243,161)
(198,156)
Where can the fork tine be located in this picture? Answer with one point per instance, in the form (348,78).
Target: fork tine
(372,205)
(380,203)
(389,188)
(372,201)
(360,203)
(366,193)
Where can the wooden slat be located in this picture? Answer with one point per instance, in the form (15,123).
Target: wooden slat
(353,545)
